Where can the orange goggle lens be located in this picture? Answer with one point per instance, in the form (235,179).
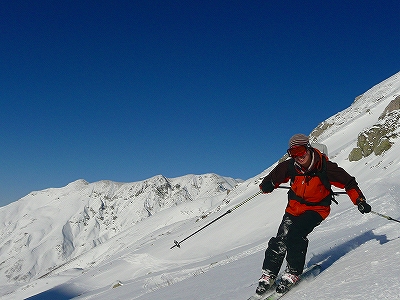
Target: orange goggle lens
(297,151)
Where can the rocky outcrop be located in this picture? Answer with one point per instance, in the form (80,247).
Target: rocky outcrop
(379,138)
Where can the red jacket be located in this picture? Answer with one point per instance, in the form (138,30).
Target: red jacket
(311,188)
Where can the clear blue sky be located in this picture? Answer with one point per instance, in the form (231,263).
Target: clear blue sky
(125,90)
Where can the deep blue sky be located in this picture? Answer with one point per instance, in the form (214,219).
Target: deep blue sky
(125,90)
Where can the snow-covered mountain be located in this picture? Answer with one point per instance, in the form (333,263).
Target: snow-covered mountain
(46,229)
(112,240)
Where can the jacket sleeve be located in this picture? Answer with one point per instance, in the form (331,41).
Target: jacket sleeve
(279,174)
(340,178)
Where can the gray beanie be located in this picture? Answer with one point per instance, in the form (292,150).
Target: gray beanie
(298,140)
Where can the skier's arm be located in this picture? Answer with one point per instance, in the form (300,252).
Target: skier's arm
(341,179)
(277,176)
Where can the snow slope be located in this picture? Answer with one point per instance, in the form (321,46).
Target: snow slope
(97,241)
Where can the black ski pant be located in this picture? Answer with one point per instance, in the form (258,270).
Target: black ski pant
(291,240)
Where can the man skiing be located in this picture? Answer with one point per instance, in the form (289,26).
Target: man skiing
(311,175)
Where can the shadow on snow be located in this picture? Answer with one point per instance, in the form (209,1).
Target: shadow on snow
(327,258)
(56,293)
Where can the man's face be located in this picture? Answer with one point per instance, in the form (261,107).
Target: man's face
(304,160)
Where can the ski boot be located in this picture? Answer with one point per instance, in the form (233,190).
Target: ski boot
(287,281)
(266,282)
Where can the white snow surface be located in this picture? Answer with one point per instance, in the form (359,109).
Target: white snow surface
(108,240)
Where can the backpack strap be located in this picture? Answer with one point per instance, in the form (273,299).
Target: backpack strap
(322,175)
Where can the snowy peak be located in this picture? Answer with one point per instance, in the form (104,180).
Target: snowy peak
(375,99)
(47,228)
(372,121)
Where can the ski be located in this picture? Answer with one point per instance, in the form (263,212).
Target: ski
(310,272)
(263,296)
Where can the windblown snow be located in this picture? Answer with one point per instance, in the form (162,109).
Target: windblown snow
(107,240)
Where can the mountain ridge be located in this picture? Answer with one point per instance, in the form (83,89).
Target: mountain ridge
(89,214)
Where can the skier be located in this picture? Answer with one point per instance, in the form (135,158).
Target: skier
(311,175)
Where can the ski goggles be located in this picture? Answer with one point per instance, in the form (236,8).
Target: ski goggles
(297,151)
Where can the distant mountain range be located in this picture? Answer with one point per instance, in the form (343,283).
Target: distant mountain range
(45,229)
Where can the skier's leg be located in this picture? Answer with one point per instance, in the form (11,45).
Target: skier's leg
(296,255)
(297,242)
(276,251)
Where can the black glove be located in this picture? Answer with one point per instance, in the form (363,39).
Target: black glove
(363,206)
(266,186)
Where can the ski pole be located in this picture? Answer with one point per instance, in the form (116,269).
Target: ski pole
(383,216)
(178,244)
(288,188)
